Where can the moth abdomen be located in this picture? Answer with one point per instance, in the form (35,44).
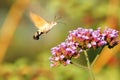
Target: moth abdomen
(37,35)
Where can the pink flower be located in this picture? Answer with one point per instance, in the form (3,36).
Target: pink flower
(82,39)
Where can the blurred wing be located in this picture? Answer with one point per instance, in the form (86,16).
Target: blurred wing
(37,20)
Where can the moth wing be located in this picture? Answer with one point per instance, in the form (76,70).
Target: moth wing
(37,20)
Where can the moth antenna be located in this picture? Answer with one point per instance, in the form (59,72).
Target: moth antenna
(62,22)
(56,18)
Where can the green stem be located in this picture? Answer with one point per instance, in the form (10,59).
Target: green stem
(94,60)
(89,66)
(80,66)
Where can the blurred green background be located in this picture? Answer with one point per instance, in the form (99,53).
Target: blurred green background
(26,59)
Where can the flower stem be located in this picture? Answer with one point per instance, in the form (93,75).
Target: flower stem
(94,60)
(80,66)
(89,66)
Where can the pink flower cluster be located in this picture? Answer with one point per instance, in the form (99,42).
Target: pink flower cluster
(82,39)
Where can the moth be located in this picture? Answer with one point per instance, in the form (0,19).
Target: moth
(42,25)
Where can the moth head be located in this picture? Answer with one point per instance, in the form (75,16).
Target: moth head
(53,23)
